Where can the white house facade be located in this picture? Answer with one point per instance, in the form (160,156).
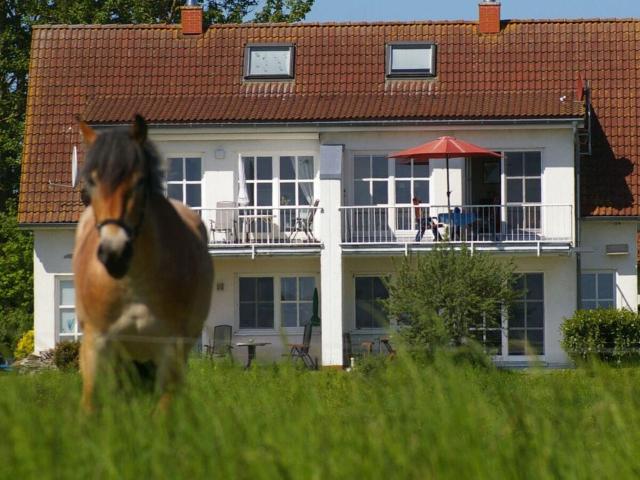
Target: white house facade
(295,205)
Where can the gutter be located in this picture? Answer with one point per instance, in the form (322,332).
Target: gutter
(611,218)
(43,225)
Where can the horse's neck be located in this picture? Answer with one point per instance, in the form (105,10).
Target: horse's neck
(149,247)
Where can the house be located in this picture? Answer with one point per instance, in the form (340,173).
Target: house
(279,134)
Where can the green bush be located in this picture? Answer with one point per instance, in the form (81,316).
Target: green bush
(66,355)
(25,345)
(603,334)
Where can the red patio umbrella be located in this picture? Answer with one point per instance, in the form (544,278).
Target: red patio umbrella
(444,147)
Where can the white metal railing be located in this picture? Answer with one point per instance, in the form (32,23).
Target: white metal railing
(252,225)
(463,224)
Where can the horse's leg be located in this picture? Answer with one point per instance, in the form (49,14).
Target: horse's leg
(171,371)
(88,369)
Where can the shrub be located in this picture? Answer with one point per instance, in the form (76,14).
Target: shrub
(25,345)
(603,334)
(66,355)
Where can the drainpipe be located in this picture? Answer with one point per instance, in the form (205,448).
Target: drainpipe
(577,232)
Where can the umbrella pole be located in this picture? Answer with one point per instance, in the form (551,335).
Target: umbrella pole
(448,190)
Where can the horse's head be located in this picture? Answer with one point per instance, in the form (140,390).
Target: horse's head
(121,170)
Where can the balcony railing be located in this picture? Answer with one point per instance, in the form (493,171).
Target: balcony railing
(261,225)
(462,224)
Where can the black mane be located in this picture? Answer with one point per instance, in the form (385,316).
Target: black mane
(115,155)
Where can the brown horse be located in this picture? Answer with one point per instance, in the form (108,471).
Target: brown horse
(143,275)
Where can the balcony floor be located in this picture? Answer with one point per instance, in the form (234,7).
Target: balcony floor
(527,248)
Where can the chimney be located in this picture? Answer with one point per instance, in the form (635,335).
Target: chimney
(489,16)
(191,17)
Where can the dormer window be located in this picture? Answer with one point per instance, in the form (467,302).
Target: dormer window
(269,61)
(411,59)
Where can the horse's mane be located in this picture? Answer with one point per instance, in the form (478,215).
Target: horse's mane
(115,155)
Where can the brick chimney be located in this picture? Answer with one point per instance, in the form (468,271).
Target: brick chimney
(489,16)
(191,18)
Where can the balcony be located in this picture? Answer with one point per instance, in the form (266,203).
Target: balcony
(514,228)
(251,230)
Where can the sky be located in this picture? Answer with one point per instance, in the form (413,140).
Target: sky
(372,10)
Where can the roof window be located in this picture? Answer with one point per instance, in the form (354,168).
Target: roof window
(269,61)
(411,59)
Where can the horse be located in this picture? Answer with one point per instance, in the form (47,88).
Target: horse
(143,275)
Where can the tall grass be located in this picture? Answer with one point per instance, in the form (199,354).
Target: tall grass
(400,420)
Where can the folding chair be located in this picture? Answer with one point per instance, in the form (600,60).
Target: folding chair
(220,342)
(305,225)
(301,350)
(225,222)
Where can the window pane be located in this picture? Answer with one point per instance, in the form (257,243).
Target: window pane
(247,289)
(514,191)
(247,315)
(174,172)
(306,311)
(307,286)
(516,342)
(265,315)
(67,321)
(67,293)
(588,285)
(532,164)
(535,288)
(605,286)
(421,190)
(588,305)
(535,342)
(193,169)
(403,191)
(305,168)
(264,194)
(270,61)
(533,191)
(194,195)
(288,289)
(249,168)
(516,315)
(265,289)
(287,168)
(361,167)
(403,169)
(379,316)
(289,315)
(379,289)
(305,193)
(175,191)
(535,315)
(361,193)
(493,342)
(364,288)
(420,170)
(380,167)
(363,314)
(265,171)
(605,304)
(287,194)
(407,58)
(513,163)
(380,193)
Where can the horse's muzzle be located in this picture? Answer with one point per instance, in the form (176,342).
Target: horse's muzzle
(116,262)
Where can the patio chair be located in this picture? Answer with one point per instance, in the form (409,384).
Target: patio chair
(220,342)
(225,222)
(301,350)
(305,224)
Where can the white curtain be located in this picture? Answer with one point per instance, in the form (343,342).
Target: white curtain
(243,195)
(305,172)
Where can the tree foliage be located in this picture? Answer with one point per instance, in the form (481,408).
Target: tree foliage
(17,17)
(443,294)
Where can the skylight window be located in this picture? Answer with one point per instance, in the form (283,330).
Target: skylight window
(411,60)
(269,61)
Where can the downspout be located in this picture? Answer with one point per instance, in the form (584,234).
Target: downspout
(577,230)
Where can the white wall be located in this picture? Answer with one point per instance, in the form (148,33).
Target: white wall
(51,259)
(596,234)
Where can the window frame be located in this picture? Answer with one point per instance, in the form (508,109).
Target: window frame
(597,299)
(506,318)
(402,209)
(410,73)
(370,180)
(59,308)
(184,182)
(296,181)
(298,301)
(269,47)
(355,304)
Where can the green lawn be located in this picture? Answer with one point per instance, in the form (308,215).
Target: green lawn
(407,420)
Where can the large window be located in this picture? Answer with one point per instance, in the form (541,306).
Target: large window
(411,181)
(184,180)
(258,173)
(256,302)
(597,290)
(369,311)
(411,59)
(371,174)
(269,61)
(68,328)
(523,174)
(296,180)
(526,318)
(296,300)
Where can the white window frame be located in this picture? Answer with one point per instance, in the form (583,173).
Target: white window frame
(277,307)
(296,181)
(184,182)
(59,308)
(505,324)
(425,202)
(370,179)
(269,47)
(297,302)
(523,178)
(428,72)
(597,299)
(252,184)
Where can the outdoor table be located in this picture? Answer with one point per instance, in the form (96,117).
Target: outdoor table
(457,219)
(251,350)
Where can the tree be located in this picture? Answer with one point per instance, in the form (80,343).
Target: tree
(17,18)
(441,295)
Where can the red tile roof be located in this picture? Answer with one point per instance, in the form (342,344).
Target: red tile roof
(107,73)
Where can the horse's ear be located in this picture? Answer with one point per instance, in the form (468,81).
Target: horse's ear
(88,134)
(139,129)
